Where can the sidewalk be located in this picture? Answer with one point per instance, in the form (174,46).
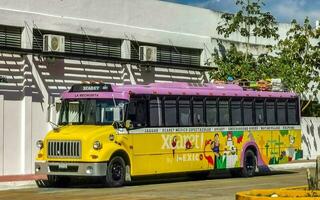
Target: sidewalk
(19,181)
(297,164)
(28,181)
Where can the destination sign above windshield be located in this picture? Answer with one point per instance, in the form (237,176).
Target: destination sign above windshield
(91,88)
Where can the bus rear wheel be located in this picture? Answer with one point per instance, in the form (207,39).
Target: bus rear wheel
(249,164)
(116,172)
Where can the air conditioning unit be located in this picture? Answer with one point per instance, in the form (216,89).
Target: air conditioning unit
(148,53)
(53,43)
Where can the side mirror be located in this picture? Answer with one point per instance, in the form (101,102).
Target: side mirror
(128,124)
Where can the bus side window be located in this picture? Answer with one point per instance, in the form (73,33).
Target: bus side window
(292,112)
(198,112)
(184,112)
(211,112)
(155,114)
(224,115)
(236,115)
(271,112)
(137,113)
(248,112)
(170,107)
(259,111)
(281,111)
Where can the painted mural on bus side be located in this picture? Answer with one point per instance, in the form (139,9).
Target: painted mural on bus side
(225,149)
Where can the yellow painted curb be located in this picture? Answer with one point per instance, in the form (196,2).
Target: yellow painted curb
(299,193)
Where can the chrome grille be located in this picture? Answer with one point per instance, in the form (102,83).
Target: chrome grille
(64,149)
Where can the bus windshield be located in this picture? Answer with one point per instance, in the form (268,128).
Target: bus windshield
(88,111)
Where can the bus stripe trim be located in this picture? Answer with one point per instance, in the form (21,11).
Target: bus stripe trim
(209,129)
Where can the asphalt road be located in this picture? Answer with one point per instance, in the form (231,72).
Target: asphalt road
(220,186)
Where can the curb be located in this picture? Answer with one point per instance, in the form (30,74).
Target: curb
(299,165)
(298,193)
(13,185)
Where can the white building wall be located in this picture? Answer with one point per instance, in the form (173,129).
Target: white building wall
(311,137)
(13,163)
(1,134)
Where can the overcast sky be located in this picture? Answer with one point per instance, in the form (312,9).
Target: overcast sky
(283,10)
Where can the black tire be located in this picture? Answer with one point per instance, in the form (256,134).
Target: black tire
(249,164)
(53,181)
(199,175)
(116,172)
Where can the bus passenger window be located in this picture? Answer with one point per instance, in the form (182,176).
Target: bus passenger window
(184,113)
(259,110)
(292,112)
(281,111)
(137,113)
(170,107)
(271,112)
(155,114)
(211,112)
(198,113)
(248,112)
(224,116)
(236,112)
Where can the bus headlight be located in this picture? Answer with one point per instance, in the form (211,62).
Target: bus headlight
(39,144)
(97,145)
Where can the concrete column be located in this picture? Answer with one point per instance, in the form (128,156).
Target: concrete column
(126,49)
(1,135)
(203,57)
(53,110)
(26,135)
(27,36)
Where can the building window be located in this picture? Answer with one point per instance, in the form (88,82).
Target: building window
(10,36)
(170,54)
(82,44)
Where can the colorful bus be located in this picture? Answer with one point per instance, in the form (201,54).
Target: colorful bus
(120,132)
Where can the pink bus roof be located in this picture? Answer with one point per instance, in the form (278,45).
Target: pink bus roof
(176,88)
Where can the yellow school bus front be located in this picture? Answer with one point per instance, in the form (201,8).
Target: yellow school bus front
(79,150)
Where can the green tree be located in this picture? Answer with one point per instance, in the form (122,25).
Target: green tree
(298,59)
(232,64)
(249,21)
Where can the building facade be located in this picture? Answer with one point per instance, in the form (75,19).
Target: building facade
(101,42)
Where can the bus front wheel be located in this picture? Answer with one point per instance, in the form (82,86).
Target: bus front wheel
(116,172)
(249,164)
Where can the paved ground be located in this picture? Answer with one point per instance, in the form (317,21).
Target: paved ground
(219,187)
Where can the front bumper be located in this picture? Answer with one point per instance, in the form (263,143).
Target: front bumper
(71,169)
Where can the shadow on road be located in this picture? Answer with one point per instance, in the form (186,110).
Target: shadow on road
(164,179)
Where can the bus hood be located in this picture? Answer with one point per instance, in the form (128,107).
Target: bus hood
(80,132)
